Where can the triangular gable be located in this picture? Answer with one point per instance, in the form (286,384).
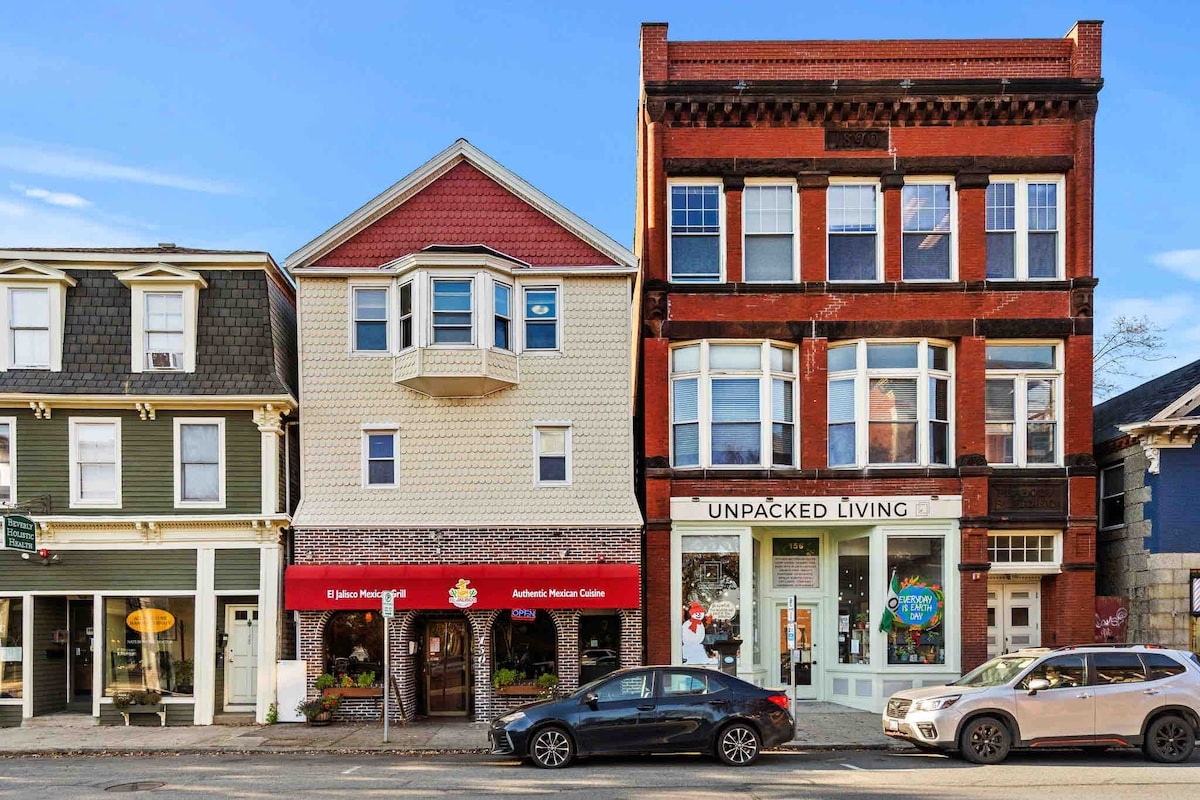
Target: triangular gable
(30,271)
(462,196)
(161,273)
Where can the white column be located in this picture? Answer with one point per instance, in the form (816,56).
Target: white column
(204,677)
(268,628)
(269,419)
(99,646)
(27,656)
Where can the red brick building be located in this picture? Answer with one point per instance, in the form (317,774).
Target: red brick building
(867,336)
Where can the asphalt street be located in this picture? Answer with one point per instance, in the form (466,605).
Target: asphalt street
(840,774)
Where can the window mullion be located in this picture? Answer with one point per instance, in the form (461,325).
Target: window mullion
(923,415)
(766,418)
(1021,245)
(1020,411)
(704,410)
(862,413)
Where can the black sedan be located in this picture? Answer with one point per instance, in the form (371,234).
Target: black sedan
(649,710)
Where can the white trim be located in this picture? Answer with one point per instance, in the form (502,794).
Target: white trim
(56,299)
(490,331)
(932,180)
(373,272)
(72,424)
(180,502)
(567,428)
(187,402)
(191,301)
(382,284)
(27,271)
(475,280)
(11,422)
(877,185)
(1021,229)
(1020,421)
(559,328)
(431,170)
(99,258)
(27,655)
(365,436)
(204,649)
(1051,567)
(760,183)
(1184,403)
(159,272)
(722,228)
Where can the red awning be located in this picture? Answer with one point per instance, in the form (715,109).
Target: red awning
(449,586)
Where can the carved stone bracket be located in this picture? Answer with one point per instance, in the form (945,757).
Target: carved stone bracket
(1081,302)
(46,532)
(145,410)
(149,531)
(269,418)
(40,410)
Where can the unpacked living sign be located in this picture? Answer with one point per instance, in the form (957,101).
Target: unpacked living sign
(815,509)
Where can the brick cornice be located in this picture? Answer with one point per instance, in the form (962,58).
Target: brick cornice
(864,166)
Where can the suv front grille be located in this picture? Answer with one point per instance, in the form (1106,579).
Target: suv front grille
(898,708)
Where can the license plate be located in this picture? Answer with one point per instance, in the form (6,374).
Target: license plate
(893,725)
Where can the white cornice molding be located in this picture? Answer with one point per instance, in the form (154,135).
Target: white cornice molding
(161,273)
(159,402)
(1184,401)
(462,150)
(24,270)
(63,532)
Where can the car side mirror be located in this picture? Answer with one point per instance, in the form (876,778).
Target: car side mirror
(1038,684)
(591,700)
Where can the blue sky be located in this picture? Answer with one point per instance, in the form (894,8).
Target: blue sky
(259,125)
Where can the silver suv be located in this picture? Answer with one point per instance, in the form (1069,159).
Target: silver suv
(1091,696)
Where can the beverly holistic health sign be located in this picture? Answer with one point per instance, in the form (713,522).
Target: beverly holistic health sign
(20,534)
(816,509)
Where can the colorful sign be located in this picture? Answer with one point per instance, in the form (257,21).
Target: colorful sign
(150,620)
(1196,595)
(20,534)
(462,595)
(524,614)
(913,603)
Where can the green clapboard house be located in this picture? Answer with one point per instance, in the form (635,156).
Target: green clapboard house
(147,427)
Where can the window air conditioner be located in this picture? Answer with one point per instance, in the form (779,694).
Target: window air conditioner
(159,360)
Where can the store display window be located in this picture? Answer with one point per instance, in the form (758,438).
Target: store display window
(149,644)
(710,605)
(914,615)
(11,647)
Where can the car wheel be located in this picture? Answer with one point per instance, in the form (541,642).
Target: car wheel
(551,748)
(739,745)
(1169,740)
(985,740)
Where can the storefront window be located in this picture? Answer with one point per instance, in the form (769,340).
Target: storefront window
(149,644)
(914,619)
(854,601)
(354,643)
(711,601)
(525,640)
(10,647)
(599,645)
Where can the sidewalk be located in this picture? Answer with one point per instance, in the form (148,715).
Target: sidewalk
(822,726)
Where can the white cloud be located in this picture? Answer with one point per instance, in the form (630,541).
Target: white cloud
(1182,262)
(60,163)
(25,225)
(64,199)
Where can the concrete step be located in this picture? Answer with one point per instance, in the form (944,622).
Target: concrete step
(233,719)
(64,719)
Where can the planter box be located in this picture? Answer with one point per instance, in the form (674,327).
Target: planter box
(354,691)
(160,710)
(521,690)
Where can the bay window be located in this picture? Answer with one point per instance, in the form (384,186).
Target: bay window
(1025,217)
(95,462)
(889,403)
(733,404)
(1021,402)
(769,240)
(695,213)
(406,316)
(29,328)
(928,231)
(453,312)
(854,221)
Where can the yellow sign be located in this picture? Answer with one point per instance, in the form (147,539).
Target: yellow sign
(150,620)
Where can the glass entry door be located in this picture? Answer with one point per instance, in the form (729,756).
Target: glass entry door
(798,677)
(447,648)
(80,635)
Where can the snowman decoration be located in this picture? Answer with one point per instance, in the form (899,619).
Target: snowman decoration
(692,636)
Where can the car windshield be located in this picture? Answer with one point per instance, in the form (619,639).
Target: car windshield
(996,672)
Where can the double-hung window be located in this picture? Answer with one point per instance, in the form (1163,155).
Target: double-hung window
(502,310)
(553,451)
(95,466)
(200,462)
(854,220)
(1021,402)
(8,493)
(695,212)
(927,217)
(29,328)
(1112,495)
(379,458)
(453,311)
(405,321)
(889,403)
(164,330)
(370,320)
(541,318)
(733,404)
(1024,228)
(769,226)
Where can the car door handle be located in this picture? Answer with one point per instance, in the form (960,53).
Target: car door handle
(1151,691)
(645,708)
(718,703)
(1083,696)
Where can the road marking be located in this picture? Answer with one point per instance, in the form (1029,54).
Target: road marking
(352,770)
(856,769)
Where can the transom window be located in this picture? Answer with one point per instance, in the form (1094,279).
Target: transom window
(453,312)
(1112,496)
(769,240)
(854,222)
(199,469)
(889,403)
(1021,403)
(29,328)
(370,320)
(733,404)
(541,318)
(95,462)
(928,231)
(164,330)
(1022,549)
(695,233)
(502,309)
(1024,228)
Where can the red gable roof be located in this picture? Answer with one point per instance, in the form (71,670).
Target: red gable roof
(465,206)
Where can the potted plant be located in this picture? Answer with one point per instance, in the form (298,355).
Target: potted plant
(861,619)
(319,710)
(140,701)
(346,686)
(546,683)
(326,681)
(510,682)
(184,671)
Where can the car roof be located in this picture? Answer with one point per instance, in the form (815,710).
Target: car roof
(1099,647)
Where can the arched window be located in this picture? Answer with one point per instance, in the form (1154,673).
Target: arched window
(354,643)
(525,640)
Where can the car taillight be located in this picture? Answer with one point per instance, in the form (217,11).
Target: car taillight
(780,700)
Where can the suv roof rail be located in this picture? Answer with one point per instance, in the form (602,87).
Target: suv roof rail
(1102,645)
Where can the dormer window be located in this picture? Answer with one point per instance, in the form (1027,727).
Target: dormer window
(165,302)
(33,302)
(164,330)
(29,328)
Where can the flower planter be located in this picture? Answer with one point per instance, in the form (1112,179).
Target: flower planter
(353,691)
(322,719)
(159,710)
(520,690)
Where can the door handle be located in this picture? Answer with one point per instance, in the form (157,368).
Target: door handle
(718,703)
(1084,696)
(645,708)
(1151,691)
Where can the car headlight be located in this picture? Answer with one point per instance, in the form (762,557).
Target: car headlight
(508,719)
(936,703)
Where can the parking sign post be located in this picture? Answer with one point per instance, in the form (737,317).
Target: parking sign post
(388,608)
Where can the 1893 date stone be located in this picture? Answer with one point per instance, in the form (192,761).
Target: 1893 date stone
(856,138)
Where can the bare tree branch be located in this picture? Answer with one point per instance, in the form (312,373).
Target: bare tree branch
(1129,341)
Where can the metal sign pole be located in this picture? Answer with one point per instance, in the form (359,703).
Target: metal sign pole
(388,609)
(792,658)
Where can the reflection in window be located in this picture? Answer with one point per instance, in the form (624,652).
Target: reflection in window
(354,643)
(541,319)
(854,601)
(696,233)
(529,646)
(599,645)
(928,241)
(1021,404)
(6,454)
(711,601)
(1061,672)
(769,243)
(915,627)
(11,647)
(149,644)
(852,211)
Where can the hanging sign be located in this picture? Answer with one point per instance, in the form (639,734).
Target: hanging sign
(150,620)
(20,533)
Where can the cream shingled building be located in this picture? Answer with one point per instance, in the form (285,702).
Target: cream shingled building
(466,371)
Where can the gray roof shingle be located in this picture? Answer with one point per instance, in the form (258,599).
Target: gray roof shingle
(1142,402)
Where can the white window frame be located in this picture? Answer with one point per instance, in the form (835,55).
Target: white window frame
(513,295)
(568,429)
(559,328)
(379,429)
(191,300)
(760,183)
(411,317)
(1020,402)
(721,228)
(145,297)
(222,464)
(932,180)
(922,373)
(1052,566)
(765,376)
(877,185)
(13,359)
(477,308)
(1021,230)
(11,422)
(1103,493)
(72,424)
(388,323)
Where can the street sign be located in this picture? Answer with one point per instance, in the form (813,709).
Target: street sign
(791,612)
(388,597)
(20,534)
(791,636)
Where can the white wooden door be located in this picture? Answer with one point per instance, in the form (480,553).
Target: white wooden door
(1014,617)
(241,655)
